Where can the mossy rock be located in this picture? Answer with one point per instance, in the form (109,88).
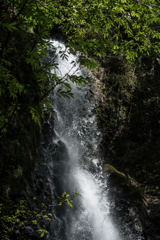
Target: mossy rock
(116,176)
(121,180)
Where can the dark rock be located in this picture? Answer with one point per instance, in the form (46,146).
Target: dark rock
(155,214)
(123,196)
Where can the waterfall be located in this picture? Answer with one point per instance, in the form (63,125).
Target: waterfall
(70,160)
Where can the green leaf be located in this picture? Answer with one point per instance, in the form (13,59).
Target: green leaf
(10,26)
(35,222)
(69,203)
(42,234)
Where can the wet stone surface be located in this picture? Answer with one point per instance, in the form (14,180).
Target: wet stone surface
(126,213)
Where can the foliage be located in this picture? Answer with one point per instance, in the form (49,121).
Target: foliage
(65,198)
(127,27)
(124,26)
(26,80)
(15,214)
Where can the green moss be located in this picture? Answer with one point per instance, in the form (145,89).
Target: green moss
(114,170)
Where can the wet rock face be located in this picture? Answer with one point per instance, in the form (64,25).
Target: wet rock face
(48,176)
(127,207)
(124,212)
(47,133)
(29,233)
(48,173)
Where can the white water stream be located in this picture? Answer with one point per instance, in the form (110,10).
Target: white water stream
(76,127)
(72,158)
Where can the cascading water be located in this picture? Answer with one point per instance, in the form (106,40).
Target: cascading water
(70,160)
